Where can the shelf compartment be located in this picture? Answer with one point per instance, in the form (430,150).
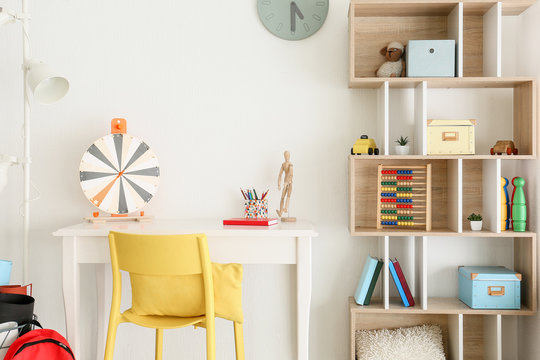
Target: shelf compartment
(373,25)
(378,321)
(465,336)
(525,264)
(502,123)
(475,27)
(482,39)
(501,114)
(472,191)
(363,195)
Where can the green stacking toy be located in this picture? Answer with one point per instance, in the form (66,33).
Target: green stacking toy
(519,208)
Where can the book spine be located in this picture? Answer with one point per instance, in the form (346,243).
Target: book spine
(397,283)
(373,282)
(404,284)
(365,280)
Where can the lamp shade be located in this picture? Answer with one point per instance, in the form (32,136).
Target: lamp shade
(47,86)
(5,162)
(6,16)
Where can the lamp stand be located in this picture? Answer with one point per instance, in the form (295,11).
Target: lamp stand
(47,88)
(26,161)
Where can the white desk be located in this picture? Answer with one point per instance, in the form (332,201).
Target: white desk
(285,243)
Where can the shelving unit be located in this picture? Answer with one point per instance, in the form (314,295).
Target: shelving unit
(461,184)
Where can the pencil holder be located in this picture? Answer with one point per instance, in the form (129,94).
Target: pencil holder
(255,209)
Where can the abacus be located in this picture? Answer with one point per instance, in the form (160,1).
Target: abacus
(404,196)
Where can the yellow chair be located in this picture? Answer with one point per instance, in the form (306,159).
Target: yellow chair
(173,265)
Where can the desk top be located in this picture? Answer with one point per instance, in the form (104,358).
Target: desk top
(181,226)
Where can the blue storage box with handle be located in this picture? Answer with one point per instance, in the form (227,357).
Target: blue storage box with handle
(489,287)
(5,271)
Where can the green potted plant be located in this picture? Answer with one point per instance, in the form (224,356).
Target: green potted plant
(402,147)
(475,221)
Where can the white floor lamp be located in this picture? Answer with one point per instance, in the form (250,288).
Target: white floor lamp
(47,88)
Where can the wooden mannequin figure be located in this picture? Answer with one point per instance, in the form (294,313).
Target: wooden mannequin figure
(287,170)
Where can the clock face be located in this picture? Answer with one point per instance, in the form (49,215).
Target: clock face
(119,174)
(292,20)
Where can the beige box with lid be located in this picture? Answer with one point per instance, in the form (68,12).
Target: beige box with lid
(450,137)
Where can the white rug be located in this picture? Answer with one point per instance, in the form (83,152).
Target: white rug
(414,343)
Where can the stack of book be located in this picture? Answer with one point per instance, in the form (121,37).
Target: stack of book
(400,282)
(370,274)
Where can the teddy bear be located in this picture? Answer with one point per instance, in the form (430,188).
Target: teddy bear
(395,64)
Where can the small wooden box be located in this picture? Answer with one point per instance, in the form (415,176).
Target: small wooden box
(450,137)
(489,287)
(431,58)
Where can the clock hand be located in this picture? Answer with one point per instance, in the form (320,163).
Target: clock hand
(295,11)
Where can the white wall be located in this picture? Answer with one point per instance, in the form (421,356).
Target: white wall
(527,64)
(218,98)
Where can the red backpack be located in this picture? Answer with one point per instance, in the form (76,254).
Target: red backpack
(40,344)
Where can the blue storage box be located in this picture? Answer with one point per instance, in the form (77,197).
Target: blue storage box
(5,272)
(431,58)
(489,287)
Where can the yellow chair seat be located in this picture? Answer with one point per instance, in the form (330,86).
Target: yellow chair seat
(161,322)
(172,286)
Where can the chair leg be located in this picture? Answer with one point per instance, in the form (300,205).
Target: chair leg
(159,344)
(239,341)
(111,338)
(210,338)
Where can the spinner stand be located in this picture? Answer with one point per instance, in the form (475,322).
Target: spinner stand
(119,174)
(404,196)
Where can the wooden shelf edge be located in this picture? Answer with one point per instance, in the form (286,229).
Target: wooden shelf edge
(451,82)
(435,306)
(509,7)
(442,157)
(441,232)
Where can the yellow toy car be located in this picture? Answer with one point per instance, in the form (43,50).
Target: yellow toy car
(364,146)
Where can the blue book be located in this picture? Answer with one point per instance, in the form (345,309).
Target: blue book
(398,283)
(365,280)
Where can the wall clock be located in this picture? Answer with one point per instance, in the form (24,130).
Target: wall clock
(292,20)
(119,173)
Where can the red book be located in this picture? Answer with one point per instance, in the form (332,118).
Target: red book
(250,222)
(403,282)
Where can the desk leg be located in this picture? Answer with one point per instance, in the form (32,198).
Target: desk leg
(71,290)
(104,296)
(303,286)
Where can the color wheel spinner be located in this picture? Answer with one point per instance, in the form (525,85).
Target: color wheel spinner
(119,173)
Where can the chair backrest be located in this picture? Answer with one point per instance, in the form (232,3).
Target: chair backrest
(170,274)
(159,254)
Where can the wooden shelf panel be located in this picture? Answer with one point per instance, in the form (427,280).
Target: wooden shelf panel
(435,306)
(443,157)
(441,83)
(359,231)
(476,7)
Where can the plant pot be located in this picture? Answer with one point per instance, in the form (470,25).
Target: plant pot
(402,150)
(476,225)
